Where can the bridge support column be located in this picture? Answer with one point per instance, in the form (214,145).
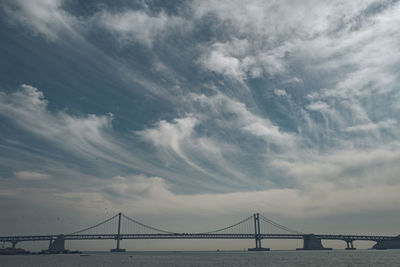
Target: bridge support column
(257,234)
(58,245)
(13,244)
(350,245)
(311,242)
(118,237)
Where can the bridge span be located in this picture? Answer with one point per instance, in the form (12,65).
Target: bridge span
(256,227)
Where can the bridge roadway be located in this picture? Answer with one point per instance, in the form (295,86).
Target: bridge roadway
(249,228)
(347,238)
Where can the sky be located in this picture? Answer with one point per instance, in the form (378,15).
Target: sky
(190,115)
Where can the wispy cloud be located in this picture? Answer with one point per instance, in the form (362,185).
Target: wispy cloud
(31,175)
(372,126)
(243,119)
(136,25)
(27,108)
(89,138)
(43,17)
(240,58)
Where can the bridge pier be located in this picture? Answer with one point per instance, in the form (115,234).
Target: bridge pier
(118,236)
(350,245)
(13,244)
(57,246)
(310,242)
(257,234)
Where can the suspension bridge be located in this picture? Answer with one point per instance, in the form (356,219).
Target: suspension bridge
(256,227)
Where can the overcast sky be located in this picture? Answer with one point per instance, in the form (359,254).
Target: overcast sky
(193,114)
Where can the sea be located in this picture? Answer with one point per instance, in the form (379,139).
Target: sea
(211,258)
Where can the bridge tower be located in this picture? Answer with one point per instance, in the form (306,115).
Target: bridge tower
(257,234)
(118,236)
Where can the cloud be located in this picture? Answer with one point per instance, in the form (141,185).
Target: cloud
(170,135)
(242,59)
(334,47)
(319,106)
(28,108)
(304,19)
(389,123)
(228,58)
(227,65)
(151,195)
(345,168)
(138,187)
(87,137)
(180,137)
(137,25)
(244,119)
(50,19)
(44,17)
(31,175)
(280,92)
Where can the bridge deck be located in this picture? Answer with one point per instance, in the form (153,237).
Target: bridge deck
(191,236)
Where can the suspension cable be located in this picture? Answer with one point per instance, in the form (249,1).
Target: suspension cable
(94,226)
(146,226)
(225,228)
(265,219)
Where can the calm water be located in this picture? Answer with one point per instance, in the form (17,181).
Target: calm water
(217,259)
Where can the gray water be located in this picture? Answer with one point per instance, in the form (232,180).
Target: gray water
(216,259)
